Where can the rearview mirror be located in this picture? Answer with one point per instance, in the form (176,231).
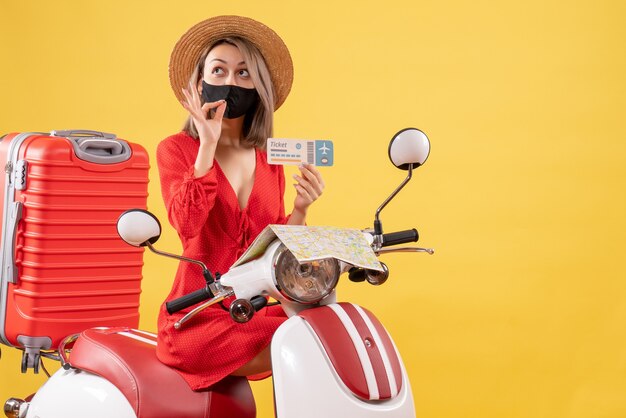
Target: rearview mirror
(409,147)
(138,227)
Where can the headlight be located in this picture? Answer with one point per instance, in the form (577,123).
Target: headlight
(308,282)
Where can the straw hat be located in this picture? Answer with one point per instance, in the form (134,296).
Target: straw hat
(190,46)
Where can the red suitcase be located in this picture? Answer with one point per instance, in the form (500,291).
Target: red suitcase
(63,266)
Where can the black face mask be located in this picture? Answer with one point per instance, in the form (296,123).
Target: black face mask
(238,99)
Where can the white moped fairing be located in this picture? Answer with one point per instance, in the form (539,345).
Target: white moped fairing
(78,393)
(326,365)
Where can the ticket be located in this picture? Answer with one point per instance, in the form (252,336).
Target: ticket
(283,151)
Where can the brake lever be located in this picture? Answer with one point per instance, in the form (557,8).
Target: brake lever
(430,251)
(218,298)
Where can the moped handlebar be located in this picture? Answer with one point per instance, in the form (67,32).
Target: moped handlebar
(186,301)
(400,237)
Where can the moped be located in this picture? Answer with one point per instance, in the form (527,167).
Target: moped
(328,359)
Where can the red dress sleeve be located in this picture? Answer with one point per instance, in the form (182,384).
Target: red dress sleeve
(188,199)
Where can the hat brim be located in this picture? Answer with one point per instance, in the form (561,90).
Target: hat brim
(188,49)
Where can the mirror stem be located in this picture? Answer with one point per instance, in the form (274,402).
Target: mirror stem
(378,226)
(205,270)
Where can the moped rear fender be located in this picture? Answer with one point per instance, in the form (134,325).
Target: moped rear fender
(78,394)
(338,361)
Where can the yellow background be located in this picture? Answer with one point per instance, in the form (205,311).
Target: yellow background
(522,311)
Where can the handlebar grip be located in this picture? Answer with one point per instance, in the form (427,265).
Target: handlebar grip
(400,237)
(188,300)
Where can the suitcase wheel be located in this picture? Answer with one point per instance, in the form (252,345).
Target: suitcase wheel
(35,362)
(24,362)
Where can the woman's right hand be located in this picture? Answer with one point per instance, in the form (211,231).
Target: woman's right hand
(209,130)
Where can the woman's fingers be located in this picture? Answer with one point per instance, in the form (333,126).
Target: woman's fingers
(304,193)
(189,94)
(187,100)
(313,190)
(194,93)
(189,104)
(193,99)
(185,105)
(198,111)
(309,186)
(212,105)
(209,129)
(312,182)
(310,172)
(219,112)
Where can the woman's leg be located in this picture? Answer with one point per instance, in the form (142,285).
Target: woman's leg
(261,363)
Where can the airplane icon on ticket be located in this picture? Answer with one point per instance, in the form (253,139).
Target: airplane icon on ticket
(324,149)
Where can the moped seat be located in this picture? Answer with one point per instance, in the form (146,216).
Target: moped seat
(127,358)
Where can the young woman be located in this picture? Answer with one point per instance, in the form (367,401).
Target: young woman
(230,73)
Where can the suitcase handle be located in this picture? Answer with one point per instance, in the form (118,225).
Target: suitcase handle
(92,145)
(100,150)
(9,256)
(82,132)
(96,146)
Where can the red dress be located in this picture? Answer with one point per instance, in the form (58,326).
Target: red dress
(214,229)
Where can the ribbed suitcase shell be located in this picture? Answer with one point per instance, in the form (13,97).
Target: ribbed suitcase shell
(73,270)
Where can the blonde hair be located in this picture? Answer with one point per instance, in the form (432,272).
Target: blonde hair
(258,123)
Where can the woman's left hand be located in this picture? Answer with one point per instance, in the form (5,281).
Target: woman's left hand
(309,187)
